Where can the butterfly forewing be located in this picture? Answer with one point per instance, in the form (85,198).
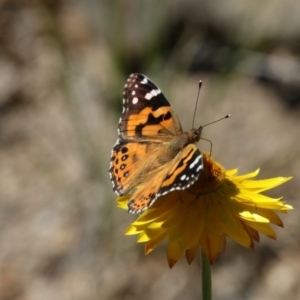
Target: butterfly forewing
(184,170)
(127,163)
(146,111)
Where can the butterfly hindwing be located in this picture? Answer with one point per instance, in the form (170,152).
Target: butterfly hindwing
(142,199)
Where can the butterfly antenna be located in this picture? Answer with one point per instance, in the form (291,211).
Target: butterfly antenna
(211,145)
(227,116)
(199,88)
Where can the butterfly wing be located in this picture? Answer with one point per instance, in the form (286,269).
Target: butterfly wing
(147,118)
(146,111)
(125,161)
(183,171)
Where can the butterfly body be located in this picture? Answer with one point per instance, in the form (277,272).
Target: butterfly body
(184,139)
(152,155)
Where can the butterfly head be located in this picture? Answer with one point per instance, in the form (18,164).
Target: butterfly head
(195,134)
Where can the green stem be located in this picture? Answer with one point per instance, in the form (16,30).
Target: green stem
(206,277)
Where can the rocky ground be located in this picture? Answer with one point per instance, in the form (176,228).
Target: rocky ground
(63,66)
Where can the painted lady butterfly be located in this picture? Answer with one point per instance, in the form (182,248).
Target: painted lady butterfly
(152,155)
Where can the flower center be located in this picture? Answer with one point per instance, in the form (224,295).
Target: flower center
(211,177)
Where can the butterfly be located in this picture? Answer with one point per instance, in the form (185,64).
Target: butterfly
(152,155)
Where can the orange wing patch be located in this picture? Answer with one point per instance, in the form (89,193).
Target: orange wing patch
(124,161)
(145,193)
(149,123)
(186,162)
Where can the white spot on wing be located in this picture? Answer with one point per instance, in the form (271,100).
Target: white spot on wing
(144,81)
(193,164)
(135,100)
(199,168)
(133,93)
(148,96)
(182,177)
(152,94)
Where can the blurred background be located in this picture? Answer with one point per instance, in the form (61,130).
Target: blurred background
(63,65)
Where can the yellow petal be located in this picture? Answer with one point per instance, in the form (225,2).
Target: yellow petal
(174,252)
(259,186)
(149,234)
(192,252)
(143,237)
(230,173)
(132,230)
(264,228)
(195,224)
(252,232)
(211,243)
(246,176)
(155,241)
(239,234)
(270,215)
(122,201)
(247,215)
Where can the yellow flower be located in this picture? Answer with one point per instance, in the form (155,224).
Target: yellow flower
(219,204)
